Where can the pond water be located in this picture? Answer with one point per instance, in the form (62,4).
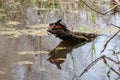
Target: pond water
(49,58)
(27,56)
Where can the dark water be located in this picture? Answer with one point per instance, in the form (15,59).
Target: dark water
(48,58)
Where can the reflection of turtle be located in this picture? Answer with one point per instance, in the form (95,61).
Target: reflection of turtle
(57,62)
(59,54)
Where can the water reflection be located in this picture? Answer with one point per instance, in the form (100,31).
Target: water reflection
(58,55)
(19,61)
(70,41)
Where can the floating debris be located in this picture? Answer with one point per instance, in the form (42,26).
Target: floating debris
(41,32)
(38,26)
(33,52)
(12,23)
(43,69)
(24,62)
(15,33)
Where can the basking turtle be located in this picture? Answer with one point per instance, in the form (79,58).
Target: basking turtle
(60,30)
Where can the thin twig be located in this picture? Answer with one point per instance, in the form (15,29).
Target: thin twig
(92,8)
(74,76)
(108,74)
(104,60)
(117,2)
(109,40)
(116,26)
(112,60)
(116,54)
(118,78)
(90,65)
(107,11)
(98,59)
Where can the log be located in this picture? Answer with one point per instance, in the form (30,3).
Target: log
(78,37)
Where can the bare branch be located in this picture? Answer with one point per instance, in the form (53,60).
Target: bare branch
(116,26)
(118,78)
(108,74)
(107,11)
(74,76)
(116,54)
(98,59)
(104,60)
(112,60)
(117,2)
(92,8)
(109,40)
(91,65)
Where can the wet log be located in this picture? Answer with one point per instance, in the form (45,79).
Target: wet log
(75,37)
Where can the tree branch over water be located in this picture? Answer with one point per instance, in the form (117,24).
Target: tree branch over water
(110,38)
(104,58)
(117,2)
(104,13)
